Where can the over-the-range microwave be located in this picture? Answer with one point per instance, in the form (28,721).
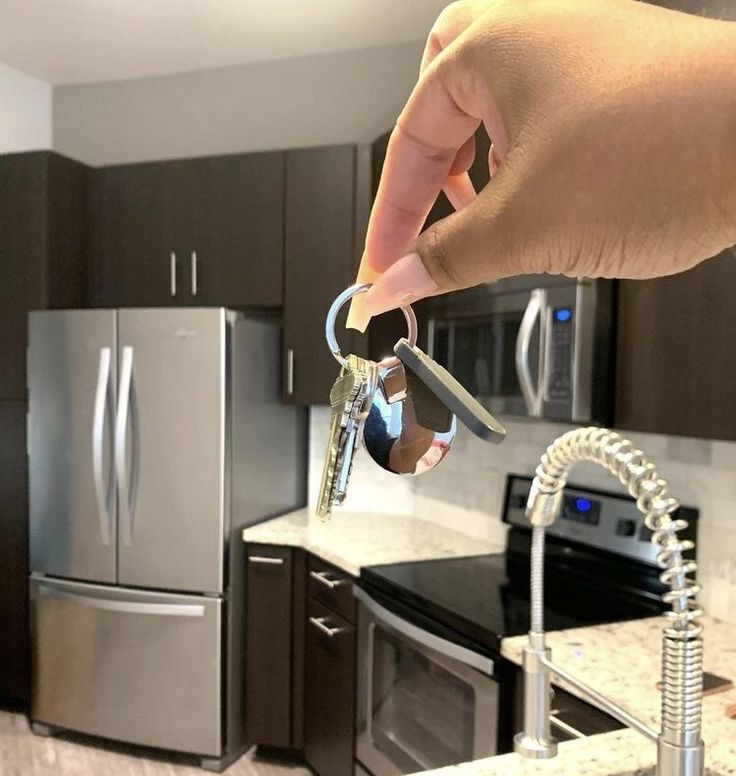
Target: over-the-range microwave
(535,346)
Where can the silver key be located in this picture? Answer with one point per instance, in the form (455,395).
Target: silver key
(351,398)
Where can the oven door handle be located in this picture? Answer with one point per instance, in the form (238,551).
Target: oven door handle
(408,630)
(535,309)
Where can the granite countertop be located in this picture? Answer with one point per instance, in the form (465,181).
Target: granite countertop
(351,540)
(622,661)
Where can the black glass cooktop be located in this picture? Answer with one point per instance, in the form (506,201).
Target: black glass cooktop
(486,598)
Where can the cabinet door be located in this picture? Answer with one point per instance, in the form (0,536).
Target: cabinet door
(268,645)
(676,360)
(229,224)
(14,640)
(320,262)
(329,703)
(130,247)
(22,248)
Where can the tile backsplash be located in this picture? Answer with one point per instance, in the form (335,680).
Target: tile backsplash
(466,490)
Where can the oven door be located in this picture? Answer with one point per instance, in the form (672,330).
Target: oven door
(423,702)
(523,352)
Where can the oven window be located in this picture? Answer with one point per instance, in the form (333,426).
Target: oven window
(423,714)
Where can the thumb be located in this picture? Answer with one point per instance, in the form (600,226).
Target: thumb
(462,250)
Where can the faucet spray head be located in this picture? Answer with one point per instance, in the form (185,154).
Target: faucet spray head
(542,508)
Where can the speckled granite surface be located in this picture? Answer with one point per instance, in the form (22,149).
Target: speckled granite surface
(622,662)
(351,540)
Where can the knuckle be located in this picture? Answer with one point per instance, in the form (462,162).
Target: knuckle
(441,267)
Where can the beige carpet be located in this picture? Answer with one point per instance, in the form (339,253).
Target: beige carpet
(24,754)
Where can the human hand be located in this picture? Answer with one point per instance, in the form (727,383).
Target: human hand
(614,149)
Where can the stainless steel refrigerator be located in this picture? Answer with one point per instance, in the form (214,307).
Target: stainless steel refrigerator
(154,436)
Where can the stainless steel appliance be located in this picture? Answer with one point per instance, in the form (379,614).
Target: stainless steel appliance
(533,346)
(154,436)
(433,689)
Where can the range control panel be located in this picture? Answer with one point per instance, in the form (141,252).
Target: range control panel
(606,521)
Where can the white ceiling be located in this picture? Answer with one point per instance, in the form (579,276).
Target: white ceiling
(74,41)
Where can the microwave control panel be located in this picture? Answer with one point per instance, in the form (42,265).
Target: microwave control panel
(562,329)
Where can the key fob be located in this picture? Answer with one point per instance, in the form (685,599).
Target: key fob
(446,388)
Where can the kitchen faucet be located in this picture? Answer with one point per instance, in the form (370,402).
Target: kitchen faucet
(680,750)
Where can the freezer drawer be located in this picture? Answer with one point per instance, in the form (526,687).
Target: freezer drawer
(129,665)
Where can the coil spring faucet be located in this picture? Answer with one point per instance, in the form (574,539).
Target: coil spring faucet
(680,750)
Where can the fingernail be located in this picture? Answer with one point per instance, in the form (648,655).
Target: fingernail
(403,283)
(358,315)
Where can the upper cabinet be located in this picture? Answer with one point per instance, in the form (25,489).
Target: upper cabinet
(327,206)
(194,231)
(42,258)
(676,352)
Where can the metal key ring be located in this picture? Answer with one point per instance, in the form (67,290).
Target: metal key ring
(346,296)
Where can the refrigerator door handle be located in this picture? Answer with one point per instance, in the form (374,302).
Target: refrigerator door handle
(102,493)
(127,607)
(121,436)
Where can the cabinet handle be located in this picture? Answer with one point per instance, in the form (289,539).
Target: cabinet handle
(290,372)
(319,623)
(564,727)
(264,560)
(172,273)
(321,576)
(194,273)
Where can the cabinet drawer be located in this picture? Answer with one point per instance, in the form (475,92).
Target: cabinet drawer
(329,703)
(334,588)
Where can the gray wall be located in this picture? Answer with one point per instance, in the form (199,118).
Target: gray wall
(25,121)
(320,100)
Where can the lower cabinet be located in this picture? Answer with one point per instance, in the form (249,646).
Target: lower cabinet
(268,658)
(300,657)
(329,692)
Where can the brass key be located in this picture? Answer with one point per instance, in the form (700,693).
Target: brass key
(350,398)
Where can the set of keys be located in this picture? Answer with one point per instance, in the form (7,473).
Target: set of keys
(402,410)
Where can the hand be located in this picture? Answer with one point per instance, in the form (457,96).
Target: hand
(614,149)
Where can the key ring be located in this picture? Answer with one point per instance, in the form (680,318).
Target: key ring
(346,296)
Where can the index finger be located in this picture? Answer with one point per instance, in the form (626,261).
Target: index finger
(430,131)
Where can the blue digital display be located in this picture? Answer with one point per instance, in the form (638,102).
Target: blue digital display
(563,314)
(583,505)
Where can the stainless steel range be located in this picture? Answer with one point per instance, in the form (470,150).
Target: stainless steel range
(433,689)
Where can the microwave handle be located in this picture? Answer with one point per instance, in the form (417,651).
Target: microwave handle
(533,397)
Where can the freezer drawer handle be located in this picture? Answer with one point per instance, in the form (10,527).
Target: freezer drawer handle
(102,493)
(125,489)
(321,576)
(129,607)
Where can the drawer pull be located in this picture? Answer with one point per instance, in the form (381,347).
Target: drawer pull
(265,561)
(564,727)
(319,623)
(321,576)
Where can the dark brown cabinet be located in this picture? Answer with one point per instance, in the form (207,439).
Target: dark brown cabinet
(269,612)
(42,266)
(194,231)
(42,215)
(329,692)
(300,657)
(14,633)
(325,219)
(676,357)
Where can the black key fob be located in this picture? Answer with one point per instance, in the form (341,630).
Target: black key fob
(450,392)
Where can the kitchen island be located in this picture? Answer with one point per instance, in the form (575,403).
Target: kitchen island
(622,661)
